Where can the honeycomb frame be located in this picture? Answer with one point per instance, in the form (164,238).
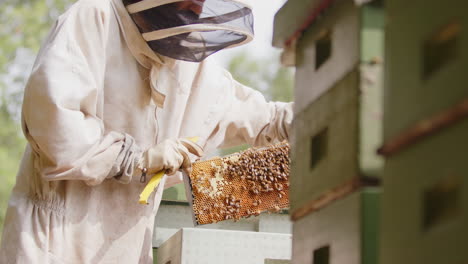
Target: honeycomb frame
(239,185)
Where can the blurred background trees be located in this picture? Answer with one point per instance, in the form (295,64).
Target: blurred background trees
(25,24)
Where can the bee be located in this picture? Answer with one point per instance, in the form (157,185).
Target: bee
(257,202)
(278,186)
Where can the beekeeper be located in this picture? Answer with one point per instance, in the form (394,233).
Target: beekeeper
(115,90)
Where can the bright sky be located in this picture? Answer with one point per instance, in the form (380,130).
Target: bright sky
(264,12)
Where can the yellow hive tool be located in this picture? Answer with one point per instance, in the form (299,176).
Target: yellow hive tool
(154,182)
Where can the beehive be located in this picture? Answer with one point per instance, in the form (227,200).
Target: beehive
(338,92)
(426,41)
(337,49)
(240,185)
(425,202)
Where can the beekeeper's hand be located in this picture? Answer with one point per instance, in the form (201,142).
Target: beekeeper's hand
(169,156)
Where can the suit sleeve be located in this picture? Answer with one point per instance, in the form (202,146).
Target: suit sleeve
(61,109)
(251,119)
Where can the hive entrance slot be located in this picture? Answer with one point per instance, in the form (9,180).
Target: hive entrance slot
(440,48)
(321,255)
(318,148)
(323,48)
(441,201)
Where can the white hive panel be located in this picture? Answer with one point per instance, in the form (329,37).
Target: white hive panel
(202,246)
(275,223)
(170,218)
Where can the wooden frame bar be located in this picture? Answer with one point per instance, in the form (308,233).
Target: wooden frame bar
(425,128)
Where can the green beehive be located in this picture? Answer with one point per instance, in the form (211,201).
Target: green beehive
(426,70)
(425,202)
(337,50)
(343,232)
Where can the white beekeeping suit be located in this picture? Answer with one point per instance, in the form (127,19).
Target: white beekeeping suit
(108,97)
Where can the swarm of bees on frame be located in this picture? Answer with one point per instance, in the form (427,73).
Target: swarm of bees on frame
(241,185)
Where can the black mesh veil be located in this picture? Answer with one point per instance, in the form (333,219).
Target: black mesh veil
(191,30)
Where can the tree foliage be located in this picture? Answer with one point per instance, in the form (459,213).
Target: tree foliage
(266,75)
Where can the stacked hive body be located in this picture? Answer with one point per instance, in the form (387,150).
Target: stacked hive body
(337,52)
(240,185)
(425,203)
(424,208)
(204,246)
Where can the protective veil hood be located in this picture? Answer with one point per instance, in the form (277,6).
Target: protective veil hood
(191,30)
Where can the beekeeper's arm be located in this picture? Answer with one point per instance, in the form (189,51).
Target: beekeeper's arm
(61,117)
(251,119)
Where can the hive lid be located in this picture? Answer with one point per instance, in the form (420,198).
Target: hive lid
(294,18)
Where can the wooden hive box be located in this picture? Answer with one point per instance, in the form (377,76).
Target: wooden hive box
(343,232)
(208,246)
(425,203)
(427,42)
(338,96)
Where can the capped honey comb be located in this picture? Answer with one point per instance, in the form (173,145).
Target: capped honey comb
(240,185)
